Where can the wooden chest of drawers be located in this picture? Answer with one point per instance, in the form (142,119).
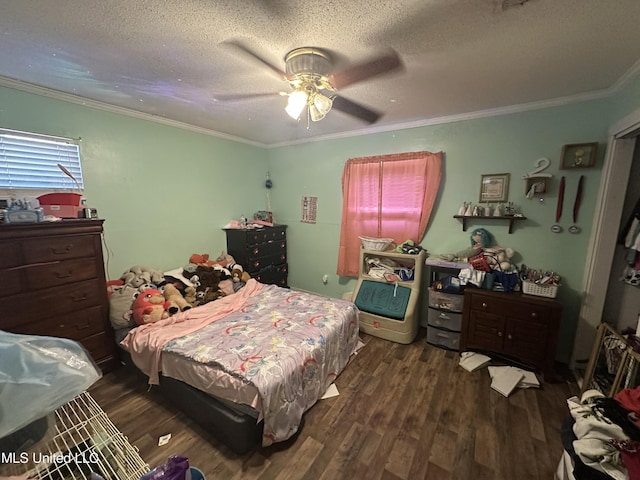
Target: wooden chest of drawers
(517,326)
(53,284)
(261,252)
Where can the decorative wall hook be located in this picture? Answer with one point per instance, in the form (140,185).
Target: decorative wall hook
(536,179)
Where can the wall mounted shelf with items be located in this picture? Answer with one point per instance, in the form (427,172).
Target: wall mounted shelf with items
(537,181)
(511,218)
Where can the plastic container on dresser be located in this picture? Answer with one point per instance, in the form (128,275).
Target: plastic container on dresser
(262,252)
(53,284)
(389,310)
(520,327)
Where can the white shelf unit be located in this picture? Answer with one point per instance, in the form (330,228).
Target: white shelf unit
(397,330)
(80,439)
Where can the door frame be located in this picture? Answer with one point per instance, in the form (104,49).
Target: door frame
(604,231)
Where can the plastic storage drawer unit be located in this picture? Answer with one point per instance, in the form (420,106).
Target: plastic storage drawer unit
(443,338)
(444,319)
(447,301)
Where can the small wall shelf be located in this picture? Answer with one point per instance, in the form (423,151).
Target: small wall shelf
(510,218)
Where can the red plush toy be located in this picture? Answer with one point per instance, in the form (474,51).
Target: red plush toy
(150,306)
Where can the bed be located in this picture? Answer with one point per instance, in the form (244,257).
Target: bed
(247,366)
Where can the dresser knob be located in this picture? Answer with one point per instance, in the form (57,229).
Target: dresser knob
(534,314)
(61,251)
(509,337)
(499,334)
(484,305)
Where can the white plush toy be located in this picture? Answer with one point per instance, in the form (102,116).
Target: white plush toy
(499,258)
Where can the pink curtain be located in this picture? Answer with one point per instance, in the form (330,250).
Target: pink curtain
(388,196)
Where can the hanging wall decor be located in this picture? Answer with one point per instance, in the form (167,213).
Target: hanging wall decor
(578,155)
(494,188)
(537,180)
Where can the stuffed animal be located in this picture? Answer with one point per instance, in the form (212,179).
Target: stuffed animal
(138,275)
(238,274)
(200,259)
(480,239)
(499,258)
(190,296)
(224,259)
(149,306)
(120,302)
(177,302)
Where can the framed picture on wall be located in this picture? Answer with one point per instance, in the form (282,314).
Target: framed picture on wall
(494,187)
(578,155)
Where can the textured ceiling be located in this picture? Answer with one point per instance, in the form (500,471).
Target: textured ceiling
(171,58)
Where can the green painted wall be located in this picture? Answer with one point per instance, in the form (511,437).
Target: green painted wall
(509,143)
(164,192)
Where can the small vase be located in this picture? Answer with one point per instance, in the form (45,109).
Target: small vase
(462,209)
(469,211)
(498,211)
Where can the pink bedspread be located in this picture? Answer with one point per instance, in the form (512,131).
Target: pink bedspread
(145,342)
(288,346)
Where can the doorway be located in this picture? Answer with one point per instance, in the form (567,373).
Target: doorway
(604,232)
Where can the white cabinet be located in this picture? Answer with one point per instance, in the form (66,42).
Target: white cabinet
(389,309)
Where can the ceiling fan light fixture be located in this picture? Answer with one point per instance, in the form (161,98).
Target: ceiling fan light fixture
(295,104)
(315,114)
(322,103)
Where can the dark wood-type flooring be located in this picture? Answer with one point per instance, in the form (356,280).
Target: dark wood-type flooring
(404,412)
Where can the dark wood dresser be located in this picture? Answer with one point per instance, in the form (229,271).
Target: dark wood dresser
(261,252)
(53,284)
(517,326)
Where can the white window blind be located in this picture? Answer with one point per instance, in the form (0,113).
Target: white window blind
(30,161)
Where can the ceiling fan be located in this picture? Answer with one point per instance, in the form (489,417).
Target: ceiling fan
(309,73)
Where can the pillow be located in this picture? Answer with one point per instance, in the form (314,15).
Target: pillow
(120,303)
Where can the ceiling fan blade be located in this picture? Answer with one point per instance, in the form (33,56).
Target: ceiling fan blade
(277,71)
(355,109)
(363,71)
(247,96)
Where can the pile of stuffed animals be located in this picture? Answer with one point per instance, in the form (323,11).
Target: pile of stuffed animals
(486,258)
(145,295)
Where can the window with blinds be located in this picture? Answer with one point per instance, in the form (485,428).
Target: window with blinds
(38,162)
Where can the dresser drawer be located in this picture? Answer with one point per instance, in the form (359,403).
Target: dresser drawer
(98,346)
(11,281)
(60,273)
(259,263)
(58,248)
(50,302)
(75,325)
(443,319)
(265,235)
(267,248)
(488,304)
(275,275)
(443,338)
(9,255)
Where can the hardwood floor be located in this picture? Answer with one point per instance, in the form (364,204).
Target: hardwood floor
(404,412)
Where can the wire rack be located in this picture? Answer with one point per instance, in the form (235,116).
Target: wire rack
(81,443)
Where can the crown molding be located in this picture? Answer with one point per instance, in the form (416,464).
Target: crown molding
(493,112)
(85,102)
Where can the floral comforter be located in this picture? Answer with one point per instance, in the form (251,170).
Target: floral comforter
(289,345)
